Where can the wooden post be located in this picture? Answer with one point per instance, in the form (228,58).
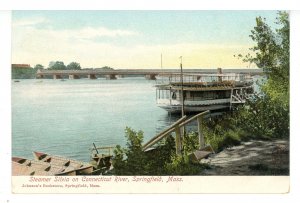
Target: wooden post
(200,133)
(95,148)
(231,99)
(219,73)
(182,93)
(178,140)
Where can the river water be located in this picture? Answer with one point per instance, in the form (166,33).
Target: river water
(66,117)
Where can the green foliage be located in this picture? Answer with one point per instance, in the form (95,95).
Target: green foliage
(51,63)
(73,66)
(38,67)
(222,132)
(161,160)
(106,68)
(267,115)
(232,138)
(131,160)
(271,52)
(58,65)
(23,73)
(264,118)
(164,152)
(118,161)
(181,165)
(219,140)
(190,142)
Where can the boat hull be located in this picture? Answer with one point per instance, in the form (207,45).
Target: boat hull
(79,167)
(193,109)
(27,167)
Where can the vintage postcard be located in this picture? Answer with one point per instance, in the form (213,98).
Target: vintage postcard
(150,101)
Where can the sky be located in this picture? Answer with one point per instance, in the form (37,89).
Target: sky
(134,39)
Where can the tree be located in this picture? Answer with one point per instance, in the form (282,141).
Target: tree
(51,63)
(74,66)
(38,67)
(58,65)
(106,68)
(272,52)
(269,111)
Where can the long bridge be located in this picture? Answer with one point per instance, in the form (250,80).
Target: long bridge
(147,73)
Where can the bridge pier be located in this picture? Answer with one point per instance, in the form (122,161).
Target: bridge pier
(55,76)
(92,76)
(111,77)
(71,77)
(40,76)
(150,77)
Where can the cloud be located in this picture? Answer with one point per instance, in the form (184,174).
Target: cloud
(30,21)
(28,26)
(89,32)
(33,46)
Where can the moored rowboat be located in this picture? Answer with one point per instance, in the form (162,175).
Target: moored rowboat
(26,167)
(79,167)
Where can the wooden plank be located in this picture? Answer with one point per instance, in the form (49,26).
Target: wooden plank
(178,140)
(181,123)
(101,148)
(163,134)
(197,155)
(166,130)
(193,118)
(158,139)
(208,148)
(200,133)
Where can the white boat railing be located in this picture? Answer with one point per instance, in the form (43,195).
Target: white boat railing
(239,96)
(174,78)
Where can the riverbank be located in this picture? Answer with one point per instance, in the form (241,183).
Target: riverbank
(254,157)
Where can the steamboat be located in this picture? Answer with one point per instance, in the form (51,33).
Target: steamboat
(201,92)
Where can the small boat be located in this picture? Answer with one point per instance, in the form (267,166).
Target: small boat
(81,168)
(101,156)
(16,80)
(203,92)
(26,167)
(102,160)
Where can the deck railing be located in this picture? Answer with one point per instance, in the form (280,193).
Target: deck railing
(100,150)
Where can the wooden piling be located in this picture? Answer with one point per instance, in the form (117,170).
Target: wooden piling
(200,133)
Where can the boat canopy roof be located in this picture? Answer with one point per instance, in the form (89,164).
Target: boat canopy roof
(206,86)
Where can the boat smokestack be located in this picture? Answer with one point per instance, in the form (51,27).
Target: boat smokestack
(219,71)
